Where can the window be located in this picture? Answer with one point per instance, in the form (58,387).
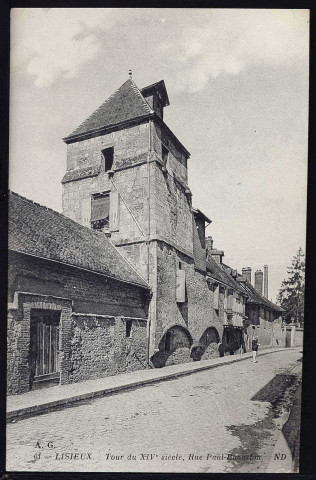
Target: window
(180,285)
(216,297)
(129,324)
(230,301)
(100,209)
(108,157)
(164,154)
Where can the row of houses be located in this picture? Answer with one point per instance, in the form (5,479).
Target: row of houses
(125,278)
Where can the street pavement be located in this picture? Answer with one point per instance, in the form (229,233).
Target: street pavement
(204,422)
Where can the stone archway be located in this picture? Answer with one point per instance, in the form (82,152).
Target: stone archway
(209,342)
(174,347)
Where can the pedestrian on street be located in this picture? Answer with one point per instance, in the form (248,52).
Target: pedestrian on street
(255,346)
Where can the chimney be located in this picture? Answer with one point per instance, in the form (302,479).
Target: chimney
(209,243)
(265,281)
(259,281)
(217,255)
(246,273)
(210,250)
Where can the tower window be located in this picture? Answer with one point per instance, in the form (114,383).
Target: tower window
(129,324)
(108,157)
(100,210)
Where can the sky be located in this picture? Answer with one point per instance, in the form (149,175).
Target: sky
(237,81)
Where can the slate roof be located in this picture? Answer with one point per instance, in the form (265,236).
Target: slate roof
(44,233)
(255,297)
(219,273)
(125,104)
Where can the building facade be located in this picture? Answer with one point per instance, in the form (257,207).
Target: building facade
(125,278)
(127,176)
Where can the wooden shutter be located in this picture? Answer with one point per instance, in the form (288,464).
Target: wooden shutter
(216,297)
(180,286)
(100,207)
(114,211)
(86,211)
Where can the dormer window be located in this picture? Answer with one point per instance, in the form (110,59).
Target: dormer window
(100,210)
(107,158)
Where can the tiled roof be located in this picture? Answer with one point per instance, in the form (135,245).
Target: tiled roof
(256,298)
(219,273)
(125,104)
(44,233)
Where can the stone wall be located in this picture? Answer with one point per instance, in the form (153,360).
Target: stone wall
(171,211)
(128,143)
(298,339)
(99,347)
(195,314)
(177,161)
(133,187)
(130,148)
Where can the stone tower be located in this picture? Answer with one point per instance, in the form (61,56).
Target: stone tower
(127,177)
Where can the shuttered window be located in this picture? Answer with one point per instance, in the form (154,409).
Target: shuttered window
(100,207)
(216,297)
(180,286)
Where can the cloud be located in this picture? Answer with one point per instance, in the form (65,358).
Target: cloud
(196,44)
(227,41)
(54,43)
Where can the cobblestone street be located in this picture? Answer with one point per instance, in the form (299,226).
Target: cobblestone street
(203,422)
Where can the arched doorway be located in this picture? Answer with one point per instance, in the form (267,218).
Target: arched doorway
(209,342)
(174,347)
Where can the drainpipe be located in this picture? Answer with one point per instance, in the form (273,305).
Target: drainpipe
(148,244)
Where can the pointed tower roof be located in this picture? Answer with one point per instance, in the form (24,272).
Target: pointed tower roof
(125,104)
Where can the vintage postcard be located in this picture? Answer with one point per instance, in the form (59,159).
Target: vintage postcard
(157,219)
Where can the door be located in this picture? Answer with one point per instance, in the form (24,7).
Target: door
(44,349)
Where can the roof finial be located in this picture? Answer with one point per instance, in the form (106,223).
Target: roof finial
(130,73)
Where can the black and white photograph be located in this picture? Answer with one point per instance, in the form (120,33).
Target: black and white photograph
(157,239)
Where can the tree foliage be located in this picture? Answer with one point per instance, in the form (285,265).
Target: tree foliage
(291,293)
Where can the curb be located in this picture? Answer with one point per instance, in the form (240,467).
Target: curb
(31,411)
